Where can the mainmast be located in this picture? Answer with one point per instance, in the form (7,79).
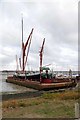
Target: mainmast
(22,30)
(22,47)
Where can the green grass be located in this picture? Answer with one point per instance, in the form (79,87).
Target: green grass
(48,105)
(56,108)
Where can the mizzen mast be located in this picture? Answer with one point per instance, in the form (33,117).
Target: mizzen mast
(41,55)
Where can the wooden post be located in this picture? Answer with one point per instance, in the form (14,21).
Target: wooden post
(77,111)
(1,107)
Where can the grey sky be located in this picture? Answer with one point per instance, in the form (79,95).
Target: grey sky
(54,20)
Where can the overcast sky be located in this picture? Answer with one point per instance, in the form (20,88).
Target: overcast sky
(54,20)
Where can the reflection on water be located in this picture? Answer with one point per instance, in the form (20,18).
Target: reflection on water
(9,87)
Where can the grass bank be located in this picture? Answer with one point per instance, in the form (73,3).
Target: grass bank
(48,105)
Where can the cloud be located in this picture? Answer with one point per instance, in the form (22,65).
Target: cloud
(56,21)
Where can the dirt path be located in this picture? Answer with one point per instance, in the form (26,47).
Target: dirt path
(27,94)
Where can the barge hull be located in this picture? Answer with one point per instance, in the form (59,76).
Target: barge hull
(41,86)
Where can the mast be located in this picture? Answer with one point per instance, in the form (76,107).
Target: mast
(22,47)
(22,31)
(41,55)
(16,63)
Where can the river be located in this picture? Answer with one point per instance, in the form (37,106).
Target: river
(9,87)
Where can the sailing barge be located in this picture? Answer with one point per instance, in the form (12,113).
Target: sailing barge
(38,80)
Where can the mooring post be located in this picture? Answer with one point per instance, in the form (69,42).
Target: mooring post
(0,107)
(77,111)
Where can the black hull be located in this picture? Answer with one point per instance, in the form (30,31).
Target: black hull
(29,77)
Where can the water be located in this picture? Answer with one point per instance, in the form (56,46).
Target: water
(9,87)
